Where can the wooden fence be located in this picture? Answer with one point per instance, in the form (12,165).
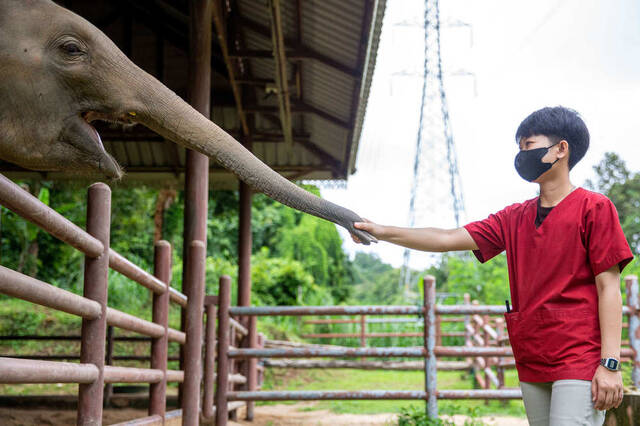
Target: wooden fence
(91,372)
(485,346)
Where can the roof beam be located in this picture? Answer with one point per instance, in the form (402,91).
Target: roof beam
(173,30)
(306,52)
(284,101)
(300,108)
(219,23)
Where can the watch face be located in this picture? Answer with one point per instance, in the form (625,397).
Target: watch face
(612,364)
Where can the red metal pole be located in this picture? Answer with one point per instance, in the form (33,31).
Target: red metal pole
(209,361)
(193,328)
(222,382)
(197,165)
(160,315)
(95,288)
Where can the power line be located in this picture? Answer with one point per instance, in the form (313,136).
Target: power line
(434,120)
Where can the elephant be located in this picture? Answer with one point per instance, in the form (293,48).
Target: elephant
(59,73)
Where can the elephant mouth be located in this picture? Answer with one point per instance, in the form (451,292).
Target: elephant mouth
(106,163)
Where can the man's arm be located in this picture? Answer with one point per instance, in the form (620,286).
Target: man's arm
(425,239)
(606,386)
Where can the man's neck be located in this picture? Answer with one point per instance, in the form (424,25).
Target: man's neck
(552,192)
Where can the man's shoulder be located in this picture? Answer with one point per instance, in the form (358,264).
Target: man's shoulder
(518,207)
(593,199)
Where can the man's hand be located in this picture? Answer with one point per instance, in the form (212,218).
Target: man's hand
(606,389)
(372,228)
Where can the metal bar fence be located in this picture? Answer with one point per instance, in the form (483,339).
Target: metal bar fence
(91,373)
(486,352)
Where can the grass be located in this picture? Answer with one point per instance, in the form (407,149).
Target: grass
(322,379)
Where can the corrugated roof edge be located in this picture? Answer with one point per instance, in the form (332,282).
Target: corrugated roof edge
(370,63)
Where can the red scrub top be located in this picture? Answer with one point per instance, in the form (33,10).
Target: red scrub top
(553,326)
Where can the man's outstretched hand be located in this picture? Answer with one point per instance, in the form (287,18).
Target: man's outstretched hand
(370,227)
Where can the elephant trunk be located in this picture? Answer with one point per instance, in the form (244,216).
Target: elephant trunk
(170,116)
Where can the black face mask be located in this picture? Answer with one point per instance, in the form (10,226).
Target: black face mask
(529,163)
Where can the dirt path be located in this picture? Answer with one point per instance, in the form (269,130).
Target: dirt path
(300,414)
(266,415)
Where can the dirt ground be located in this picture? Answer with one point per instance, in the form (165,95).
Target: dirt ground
(299,414)
(268,415)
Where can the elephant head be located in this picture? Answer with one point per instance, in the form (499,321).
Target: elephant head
(58,73)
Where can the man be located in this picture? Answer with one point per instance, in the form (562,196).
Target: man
(565,251)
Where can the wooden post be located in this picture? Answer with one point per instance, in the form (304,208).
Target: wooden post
(261,340)
(197,165)
(363,331)
(222,381)
(252,377)
(487,380)
(233,338)
(193,329)
(108,360)
(500,368)
(160,315)
(467,324)
(209,361)
(94,331)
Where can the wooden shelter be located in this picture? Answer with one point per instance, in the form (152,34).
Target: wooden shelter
(287,78)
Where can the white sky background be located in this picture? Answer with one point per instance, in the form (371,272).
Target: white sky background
(584,54)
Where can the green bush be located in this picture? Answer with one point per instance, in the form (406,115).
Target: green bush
(417,416)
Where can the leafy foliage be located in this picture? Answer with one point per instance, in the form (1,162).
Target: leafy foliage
(297,257)
(623,188)
(416,416)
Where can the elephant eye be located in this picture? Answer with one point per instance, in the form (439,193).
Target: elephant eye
(72,48)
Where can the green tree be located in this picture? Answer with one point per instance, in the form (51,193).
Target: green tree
(614,180)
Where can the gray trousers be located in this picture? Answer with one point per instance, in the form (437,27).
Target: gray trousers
(560,403)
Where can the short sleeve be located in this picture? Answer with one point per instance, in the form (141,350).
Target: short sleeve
(489,235)
(605,242)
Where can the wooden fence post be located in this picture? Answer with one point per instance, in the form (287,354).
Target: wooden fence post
(160,315)
(487,360)
(108,360)
(96,271)
(193,328)
(499,342)
(209,360)
(467,334)
(252,373)
(222,382)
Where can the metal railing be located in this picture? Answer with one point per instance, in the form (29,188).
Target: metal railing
(488,347)
(91,372)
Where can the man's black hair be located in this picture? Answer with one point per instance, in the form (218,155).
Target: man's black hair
(558,123)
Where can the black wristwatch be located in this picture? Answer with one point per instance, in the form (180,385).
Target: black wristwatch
(611,364)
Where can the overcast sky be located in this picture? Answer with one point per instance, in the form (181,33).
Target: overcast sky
(524,55)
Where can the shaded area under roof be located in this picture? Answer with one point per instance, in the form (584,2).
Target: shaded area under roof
(301,72)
